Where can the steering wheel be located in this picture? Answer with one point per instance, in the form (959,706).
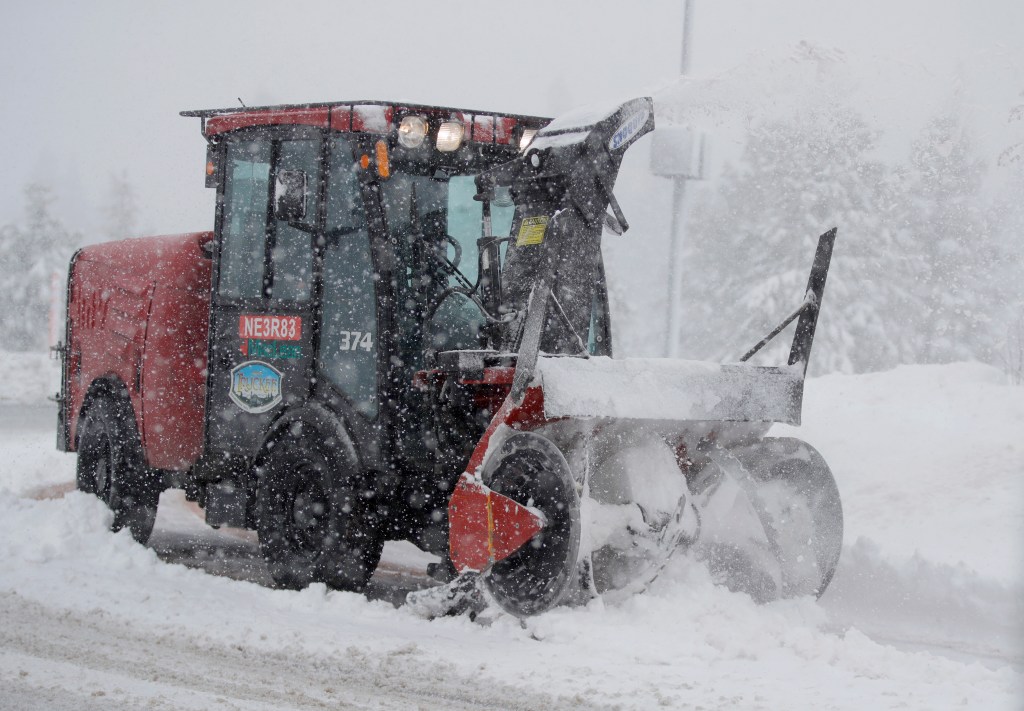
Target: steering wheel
(457,259)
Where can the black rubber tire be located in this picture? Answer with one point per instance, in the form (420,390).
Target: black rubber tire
(311,512)
(531,470)
(111,466)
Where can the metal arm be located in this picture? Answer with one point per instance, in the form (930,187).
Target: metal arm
(562,188)
(800,352)
(804,336)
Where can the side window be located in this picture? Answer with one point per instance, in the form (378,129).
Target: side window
(246,200)
(292,255)
(348,335)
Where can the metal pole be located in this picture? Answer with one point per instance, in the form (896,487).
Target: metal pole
(675,271)
(684,68)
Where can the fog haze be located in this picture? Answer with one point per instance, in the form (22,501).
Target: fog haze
(94,89)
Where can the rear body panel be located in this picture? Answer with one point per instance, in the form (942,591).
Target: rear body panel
(138,313)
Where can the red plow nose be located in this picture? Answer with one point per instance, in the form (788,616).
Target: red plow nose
(485,526)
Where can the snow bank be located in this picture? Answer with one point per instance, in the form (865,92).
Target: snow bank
(929,460)
(686,643)
(29,461)
(918,604)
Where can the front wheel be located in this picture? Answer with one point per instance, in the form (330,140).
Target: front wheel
(111,466)
(311,513)
(532,471)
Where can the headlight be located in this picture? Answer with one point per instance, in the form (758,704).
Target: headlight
(412,131)
(449,136)
(527,138)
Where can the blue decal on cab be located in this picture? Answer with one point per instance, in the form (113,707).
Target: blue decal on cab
(255,386)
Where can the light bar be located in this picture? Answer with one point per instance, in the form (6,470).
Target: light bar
(450,135)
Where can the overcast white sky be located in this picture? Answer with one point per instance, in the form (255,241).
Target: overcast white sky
(93,88)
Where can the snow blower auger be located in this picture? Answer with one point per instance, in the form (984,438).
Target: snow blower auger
(593,472)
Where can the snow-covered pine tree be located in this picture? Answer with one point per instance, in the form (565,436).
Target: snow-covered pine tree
(1008,233)
(752,244)
(29,257)
(120,211)
(959,287)
(11,286)
(1014,153)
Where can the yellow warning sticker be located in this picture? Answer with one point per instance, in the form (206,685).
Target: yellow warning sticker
(532,231)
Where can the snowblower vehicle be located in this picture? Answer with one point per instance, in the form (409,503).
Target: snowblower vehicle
(399,330)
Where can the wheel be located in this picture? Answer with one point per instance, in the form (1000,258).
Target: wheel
(111,466)
(531,470)
(311,513)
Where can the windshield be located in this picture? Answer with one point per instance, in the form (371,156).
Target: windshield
(433,219)
(445,207)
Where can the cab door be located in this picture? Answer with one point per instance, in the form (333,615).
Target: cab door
(261,327)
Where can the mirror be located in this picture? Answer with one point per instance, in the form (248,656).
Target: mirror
(290,195)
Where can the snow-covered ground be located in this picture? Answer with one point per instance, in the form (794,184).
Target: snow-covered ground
(926,610)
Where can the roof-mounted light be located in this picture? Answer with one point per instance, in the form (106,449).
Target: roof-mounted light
(450,135)
(412,131)
(527,138)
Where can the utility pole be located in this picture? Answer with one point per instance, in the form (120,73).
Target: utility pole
(675,267)
(684,67)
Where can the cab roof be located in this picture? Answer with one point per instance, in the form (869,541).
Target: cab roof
(368,116)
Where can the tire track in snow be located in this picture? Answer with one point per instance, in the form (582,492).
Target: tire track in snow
(59,659)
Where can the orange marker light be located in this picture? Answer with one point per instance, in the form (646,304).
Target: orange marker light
(364,161)
(383,162)
(210,167)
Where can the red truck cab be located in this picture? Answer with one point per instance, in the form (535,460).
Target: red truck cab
(267,367)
